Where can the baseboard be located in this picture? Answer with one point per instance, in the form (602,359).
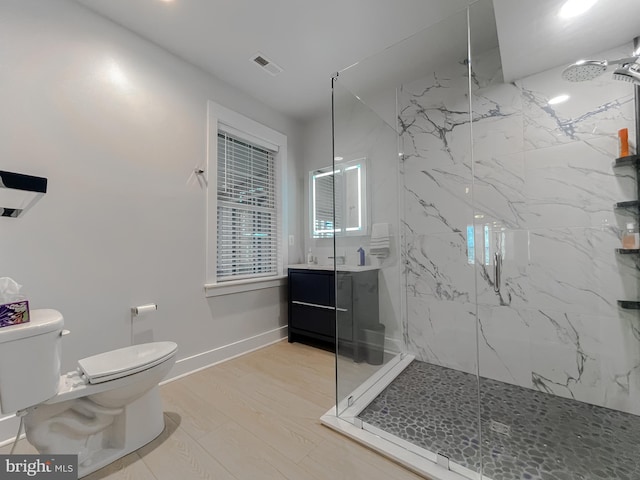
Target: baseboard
(393,345)
(8,429)
(183,367)
(200,361)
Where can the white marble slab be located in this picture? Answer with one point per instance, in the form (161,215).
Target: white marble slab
(538,187)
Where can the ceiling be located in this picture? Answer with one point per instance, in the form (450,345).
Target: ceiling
(534,38)
(309,39)
(312,39)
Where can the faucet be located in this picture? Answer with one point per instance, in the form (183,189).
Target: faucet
(340,259)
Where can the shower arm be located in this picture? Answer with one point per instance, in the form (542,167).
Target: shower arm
(623,61)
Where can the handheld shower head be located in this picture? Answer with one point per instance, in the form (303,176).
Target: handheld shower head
(629,72)
(584,70)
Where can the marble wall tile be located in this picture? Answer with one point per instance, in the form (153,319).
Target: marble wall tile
(565,354)
(540,179)
(434,116)
(578,271)
(595,108)
(448,209)
(437,266)
(499,190)
(445,334)
(503,344)
(514,248)
(620,365)
(573,185)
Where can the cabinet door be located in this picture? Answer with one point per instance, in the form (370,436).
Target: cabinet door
(313,320)
(312,287)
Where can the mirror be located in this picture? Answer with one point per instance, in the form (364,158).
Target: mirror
(349,179)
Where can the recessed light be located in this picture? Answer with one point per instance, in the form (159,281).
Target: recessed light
(337,159)
(559,99)
(573,8)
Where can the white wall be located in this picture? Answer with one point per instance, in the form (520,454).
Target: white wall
(117,125)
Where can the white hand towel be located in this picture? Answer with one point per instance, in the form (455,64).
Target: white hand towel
(380,240)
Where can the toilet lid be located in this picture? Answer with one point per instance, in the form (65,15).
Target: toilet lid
(125,361)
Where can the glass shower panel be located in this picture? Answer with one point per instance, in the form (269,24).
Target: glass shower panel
(558,356)
(367,263)
(434,115)
(421,88)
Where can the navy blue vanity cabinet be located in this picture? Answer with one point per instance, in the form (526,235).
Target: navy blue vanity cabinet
(312,307)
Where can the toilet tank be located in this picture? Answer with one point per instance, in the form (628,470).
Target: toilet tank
(30,360)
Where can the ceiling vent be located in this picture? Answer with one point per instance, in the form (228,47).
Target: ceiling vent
(266,64)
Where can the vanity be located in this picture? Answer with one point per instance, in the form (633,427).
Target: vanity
(312,306)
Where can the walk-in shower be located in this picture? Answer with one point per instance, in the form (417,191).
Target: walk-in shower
(510,307)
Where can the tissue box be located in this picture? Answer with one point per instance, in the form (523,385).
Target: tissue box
(14,313)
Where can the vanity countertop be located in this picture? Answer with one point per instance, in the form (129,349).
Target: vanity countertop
(341,268)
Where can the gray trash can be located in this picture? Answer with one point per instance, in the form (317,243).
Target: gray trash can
(373,342)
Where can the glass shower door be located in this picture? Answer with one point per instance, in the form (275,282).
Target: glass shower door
(558,357)
(366,261)
(431,407)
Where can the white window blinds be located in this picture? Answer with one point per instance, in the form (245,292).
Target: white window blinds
(247,233)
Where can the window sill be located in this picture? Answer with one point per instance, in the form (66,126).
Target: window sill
(239,286)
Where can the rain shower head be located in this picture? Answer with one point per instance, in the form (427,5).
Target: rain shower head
(584,70)
(629,72)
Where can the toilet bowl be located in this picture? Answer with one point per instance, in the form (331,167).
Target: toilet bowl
(107,408)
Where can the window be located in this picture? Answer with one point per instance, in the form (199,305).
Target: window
(245,197)
(247,241)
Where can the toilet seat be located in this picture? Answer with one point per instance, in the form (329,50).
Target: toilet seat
(126,361)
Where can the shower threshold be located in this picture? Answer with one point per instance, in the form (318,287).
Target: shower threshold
(415,458)
(413,409)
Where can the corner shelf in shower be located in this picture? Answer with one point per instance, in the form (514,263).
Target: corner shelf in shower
(631,161)
(627,251)
(628,204)
(629,305)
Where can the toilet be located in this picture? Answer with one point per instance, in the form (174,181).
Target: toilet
(107,408)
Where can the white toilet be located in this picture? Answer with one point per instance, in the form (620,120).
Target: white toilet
(107,408)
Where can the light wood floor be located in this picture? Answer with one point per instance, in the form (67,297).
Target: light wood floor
(252,418)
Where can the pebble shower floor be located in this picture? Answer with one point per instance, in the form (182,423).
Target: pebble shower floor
(549,437)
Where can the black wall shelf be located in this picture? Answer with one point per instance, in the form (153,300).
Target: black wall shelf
(631,161)
(628,204)
(626,161)
(629,305)
(627,251)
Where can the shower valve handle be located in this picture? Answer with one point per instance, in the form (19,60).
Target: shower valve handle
(497,271)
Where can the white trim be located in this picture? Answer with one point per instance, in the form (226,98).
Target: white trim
(413,457)
(248,137)
(182,368)
(410,460)
(239,286)
(217,116)
(392,345)
(8,429)
(200,361)
(367,391)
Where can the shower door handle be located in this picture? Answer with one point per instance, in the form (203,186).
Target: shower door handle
(497,271)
